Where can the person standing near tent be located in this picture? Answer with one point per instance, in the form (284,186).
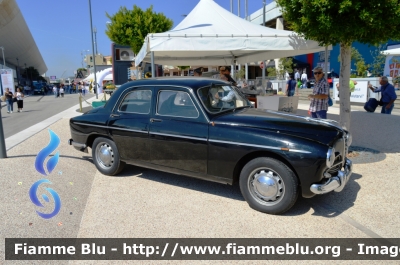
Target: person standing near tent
(319,97)
(304,79)
(291,86)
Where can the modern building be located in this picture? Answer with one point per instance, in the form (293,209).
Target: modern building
(274,19)
(19,48)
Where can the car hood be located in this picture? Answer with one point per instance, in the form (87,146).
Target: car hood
(323,131)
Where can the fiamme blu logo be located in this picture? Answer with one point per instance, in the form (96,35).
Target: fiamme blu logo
(40,167)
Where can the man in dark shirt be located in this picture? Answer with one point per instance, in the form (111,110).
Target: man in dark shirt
(388,94)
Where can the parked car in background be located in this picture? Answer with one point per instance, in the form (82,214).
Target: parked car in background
(38,89)
(206,128)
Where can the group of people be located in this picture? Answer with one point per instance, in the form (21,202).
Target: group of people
(10,98)
(321,93)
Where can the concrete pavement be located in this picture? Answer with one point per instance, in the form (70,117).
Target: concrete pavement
(142,203)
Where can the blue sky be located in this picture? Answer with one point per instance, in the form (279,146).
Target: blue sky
(61,28)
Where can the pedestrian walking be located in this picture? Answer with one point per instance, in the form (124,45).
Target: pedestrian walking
(291,86)
(55,91)
(20,99)
(9,100)
(304,79)
(319,97)
(62,90)
(80,88)
(84,89)
(388,95)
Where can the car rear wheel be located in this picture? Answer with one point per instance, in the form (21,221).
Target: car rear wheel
(268,185)
(106,156)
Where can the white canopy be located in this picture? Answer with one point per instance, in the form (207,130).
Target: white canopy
(392,52)
(211,35)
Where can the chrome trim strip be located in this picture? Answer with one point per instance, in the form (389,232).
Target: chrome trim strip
(128,130)
(261,146)
(112,128)
(180,136)
(94,125)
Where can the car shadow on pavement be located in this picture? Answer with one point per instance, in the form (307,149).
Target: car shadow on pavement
(227,191)
(87,158)
(331,204)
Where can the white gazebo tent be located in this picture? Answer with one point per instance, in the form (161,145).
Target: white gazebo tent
(392,52)
(211,35)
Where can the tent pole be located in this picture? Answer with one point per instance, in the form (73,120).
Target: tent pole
(238,8)
(153,71)
(246,70)
(263,72)
(246,9)
(231,6)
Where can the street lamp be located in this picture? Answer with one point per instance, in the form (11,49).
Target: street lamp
(3,152)
(94,57)
(95,39)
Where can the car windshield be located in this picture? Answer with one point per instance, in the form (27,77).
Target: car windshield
(219,98)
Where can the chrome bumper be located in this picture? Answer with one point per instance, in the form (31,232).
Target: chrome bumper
(78,146)
(336,183)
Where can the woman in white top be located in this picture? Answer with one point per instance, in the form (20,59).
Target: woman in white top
(62,90)
(20,99)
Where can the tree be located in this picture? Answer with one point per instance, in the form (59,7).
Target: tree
(343,22)
(285,65)
(182,68)
(130,27)
(379,59)
(361,66)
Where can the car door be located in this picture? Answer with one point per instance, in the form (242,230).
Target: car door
(129,123)
(178,130)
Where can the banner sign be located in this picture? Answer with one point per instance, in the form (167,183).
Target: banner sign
(392,66)
(359,95)
(7,80)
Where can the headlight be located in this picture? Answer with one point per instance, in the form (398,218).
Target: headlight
(349,139)
(330,157)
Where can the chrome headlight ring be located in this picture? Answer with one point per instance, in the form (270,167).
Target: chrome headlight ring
(349,139)
(330,157)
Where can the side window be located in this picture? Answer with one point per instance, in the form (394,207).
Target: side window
(177,104)
(137,101)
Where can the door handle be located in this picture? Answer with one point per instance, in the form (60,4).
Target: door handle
(155,120)
(114,115)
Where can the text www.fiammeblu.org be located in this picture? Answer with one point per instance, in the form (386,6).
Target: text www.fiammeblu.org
(232,249)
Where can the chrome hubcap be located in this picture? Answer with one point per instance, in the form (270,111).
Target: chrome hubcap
(266,186)
(105,155)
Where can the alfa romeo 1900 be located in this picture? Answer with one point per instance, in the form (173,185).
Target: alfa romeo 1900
(205,128)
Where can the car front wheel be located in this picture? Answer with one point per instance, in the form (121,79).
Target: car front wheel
(106,156)
(268,185)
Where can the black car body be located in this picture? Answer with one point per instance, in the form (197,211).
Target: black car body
(176,125)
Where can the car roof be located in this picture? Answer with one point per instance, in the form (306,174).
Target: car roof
(186,81)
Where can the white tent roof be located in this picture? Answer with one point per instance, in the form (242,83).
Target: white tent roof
(392,52)
(211,35)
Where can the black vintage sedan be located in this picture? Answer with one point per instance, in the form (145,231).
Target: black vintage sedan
(206,128)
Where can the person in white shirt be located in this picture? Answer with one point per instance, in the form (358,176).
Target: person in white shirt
(304,79)
(297,75)
(62,90)
(55,91)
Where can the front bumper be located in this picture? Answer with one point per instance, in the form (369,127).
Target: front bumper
(335,183)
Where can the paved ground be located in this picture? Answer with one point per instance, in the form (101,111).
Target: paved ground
(142,203)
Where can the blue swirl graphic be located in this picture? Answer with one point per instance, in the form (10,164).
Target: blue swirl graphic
(35,199)
(45,152)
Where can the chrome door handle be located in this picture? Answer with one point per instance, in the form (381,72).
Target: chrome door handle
(155,120)
(114,115)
